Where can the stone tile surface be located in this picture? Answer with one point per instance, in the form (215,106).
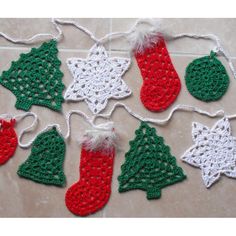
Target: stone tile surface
(23,198)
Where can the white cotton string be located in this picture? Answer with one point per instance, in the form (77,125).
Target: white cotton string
(83,29)
(31,40)
(6,116)
(27,129)
(86,118)
(102,40)
(29,143)
(219,48)
(48,127)
(180,107)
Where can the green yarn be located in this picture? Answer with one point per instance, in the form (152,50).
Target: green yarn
(149,165)
(45,163)
(206,78)
(35,78)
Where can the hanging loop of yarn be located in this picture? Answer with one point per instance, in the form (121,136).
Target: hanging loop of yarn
(33,39)
(57,126)
(20,117)
(219,49)
(102,40)
(93,138)
(180,107)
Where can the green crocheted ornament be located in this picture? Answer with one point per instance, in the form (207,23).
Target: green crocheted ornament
(206,78)
(149,165)
(35,78)
(45,163)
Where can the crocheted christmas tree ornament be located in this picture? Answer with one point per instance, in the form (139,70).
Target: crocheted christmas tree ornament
(206,78)
(8,140)
(35,78)
(45,163)
(149,165)
(92,191)
(161,83)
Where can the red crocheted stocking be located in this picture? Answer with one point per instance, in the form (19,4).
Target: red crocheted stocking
(92,191)
(8,140)
(161,83)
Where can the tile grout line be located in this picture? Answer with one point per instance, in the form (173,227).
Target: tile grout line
(178,54)
(110,31)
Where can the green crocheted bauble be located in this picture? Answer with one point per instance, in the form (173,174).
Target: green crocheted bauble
(206,78)
(149,165)
(36,79)
(45,163)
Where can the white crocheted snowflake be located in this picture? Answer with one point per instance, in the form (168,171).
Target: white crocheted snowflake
(214,151)
(97,78)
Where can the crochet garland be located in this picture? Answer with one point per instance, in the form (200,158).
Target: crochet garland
(149,165)
(35,78)
(97,78)
(45,163)
(214,151)
(93,190)
(206,78)
(161,83)
(8,140)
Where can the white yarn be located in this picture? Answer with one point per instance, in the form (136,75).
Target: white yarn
(102,135)
(44,36)
(180,107)
(50,126)
(97,79)
(68,120)
(218,49)
(70,22)
(214,151)
(102,40)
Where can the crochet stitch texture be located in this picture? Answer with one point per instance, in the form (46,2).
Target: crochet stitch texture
(35,78)
(214,151)
(161,83)
(92,191)
(206,78)
(149,165)
(97,79)
(8,140)
(45,163)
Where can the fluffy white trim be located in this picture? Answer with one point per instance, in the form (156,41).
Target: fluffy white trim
(101,138)
(145,35)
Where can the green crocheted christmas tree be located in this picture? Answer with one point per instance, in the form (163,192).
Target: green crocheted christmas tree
(35,78)
(206,78)
(149,165)
(45,163)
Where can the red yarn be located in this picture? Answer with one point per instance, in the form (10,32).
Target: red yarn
(93,190)
(161,83)
(8,140)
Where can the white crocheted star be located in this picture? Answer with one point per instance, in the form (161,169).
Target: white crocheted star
(97,78)
(214,151)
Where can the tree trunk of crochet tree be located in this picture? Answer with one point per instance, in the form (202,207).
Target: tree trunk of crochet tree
(45,163)
(8,140)
(149,165)
(93,190)
(35,78)
(161,83)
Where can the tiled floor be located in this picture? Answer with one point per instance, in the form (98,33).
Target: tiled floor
(24,198)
